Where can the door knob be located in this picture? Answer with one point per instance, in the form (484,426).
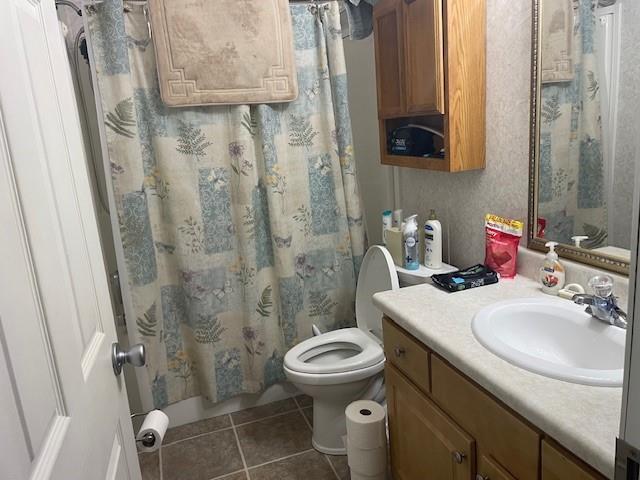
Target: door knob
(135,356)
(458,457)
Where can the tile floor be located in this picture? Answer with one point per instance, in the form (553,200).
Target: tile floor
(270,442)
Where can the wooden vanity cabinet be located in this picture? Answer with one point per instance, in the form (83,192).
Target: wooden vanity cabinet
(407,355)
(502,436)
(443,426)
(425,443)
(489,469)
(558,464)
(430,69)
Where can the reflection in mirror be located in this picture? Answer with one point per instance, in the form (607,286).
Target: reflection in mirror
(587,121)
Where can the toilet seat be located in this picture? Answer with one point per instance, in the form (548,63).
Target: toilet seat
(350,350)
(369,352)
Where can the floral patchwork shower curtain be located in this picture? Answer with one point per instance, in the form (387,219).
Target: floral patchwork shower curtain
(572,196)
(241,226)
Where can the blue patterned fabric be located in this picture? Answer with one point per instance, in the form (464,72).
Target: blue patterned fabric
(241,225)
(571,186)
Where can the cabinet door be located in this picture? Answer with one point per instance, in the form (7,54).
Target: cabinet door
(425,443)
(388,32)
(423,56)
(497,431)
(557,465)
(489,469)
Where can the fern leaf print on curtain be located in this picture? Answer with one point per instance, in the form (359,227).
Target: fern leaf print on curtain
(241,225)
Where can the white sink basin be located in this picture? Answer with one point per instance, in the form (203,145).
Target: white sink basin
(555,338)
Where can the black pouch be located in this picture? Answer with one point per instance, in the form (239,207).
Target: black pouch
(471,277)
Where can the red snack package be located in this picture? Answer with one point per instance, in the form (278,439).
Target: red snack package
(502,239)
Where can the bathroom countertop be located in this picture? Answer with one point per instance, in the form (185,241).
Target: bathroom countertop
(584,419)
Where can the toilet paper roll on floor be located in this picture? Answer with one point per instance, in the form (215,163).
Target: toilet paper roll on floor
(155,423)
(366,425)
(366,440)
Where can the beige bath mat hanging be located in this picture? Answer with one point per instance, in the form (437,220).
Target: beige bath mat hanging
(222,52)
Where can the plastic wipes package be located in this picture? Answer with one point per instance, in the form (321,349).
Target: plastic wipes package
(502,239)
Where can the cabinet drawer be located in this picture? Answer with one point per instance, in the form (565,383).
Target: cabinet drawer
(559,465)
(499,433)
(409,356)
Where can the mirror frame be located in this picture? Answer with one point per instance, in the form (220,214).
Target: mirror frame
(570,252)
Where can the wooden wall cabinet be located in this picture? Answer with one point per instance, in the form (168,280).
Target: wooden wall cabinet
(430,64)
(445,427)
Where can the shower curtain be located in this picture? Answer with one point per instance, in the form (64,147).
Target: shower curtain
(572,196)
(241,226)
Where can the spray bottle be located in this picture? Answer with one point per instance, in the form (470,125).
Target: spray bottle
(411,243)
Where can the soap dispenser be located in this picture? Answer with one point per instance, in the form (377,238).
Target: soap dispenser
(411,241)
(552,271)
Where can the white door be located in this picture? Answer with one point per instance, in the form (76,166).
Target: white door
(63,413)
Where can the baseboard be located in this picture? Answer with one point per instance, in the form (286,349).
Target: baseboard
(198,408)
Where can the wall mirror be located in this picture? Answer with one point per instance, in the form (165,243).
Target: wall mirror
(584,128)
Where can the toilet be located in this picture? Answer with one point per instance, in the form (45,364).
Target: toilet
(338,367)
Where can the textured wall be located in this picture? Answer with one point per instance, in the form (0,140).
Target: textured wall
(374,178)
(628,124)
(462,199)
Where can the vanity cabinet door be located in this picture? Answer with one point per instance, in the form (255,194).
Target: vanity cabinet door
(489,469)
(389,48)
(558,465)
(425,443)
(423,56)
(497,431)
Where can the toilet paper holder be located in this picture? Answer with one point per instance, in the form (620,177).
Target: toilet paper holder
(148,439)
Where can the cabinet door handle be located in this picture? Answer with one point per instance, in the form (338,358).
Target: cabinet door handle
(458,457)
(482,477)
(399,351)
(408,2)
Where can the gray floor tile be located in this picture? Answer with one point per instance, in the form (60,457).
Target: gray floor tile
(274,438)
(202,458)
(308,466)
(341,466)
(258,413)
(234,476)
(150,465)
(308,412)
(197,428)
(304,401)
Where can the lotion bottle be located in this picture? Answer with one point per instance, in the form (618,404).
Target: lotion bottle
(411,242)
(433,243)
(552,272)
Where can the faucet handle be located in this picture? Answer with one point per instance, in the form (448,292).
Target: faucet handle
(602,285)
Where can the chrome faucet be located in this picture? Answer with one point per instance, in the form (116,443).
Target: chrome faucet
(603,305)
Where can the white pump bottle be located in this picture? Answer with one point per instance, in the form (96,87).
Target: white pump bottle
(433,243)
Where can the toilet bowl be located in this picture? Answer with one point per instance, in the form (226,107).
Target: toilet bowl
(338,367)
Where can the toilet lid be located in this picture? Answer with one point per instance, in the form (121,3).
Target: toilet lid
(377,274)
